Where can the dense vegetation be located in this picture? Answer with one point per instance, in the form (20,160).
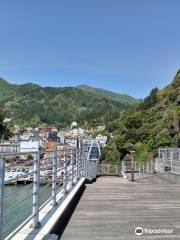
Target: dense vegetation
(4,130)
(152,124)
(30,104)
(122,98)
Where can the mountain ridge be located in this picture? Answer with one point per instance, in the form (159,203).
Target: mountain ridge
(31,104)
(123,98)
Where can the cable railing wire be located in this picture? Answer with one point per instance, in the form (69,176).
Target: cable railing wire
(57,172)
(24,189)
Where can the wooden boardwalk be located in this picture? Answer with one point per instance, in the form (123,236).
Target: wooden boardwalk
(112,208)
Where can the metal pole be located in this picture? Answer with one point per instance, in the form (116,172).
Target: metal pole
(132,168)
(171,160)
(72,168)
(122,166)
(97,168)
(54,179)
(36,224)
(84,164)
(159,154)
(65,174)
(77,163)
(163,162)
(143,170)
(81,163)
(139,169)
(2,171)
(87,167)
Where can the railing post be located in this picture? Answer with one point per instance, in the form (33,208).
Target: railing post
(85,166)
(139,169)
(96,168)
(116,169)
(163,162)
(72,168)
(77,163)
(171,160)
(80,163)
(36,224)
(132,168)
(143,170)
(83,163)
(54,179)
(65,174)
(2,171)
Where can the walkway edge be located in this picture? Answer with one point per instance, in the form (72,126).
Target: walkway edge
(48,217)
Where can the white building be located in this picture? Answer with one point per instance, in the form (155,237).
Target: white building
(43,135)
(61,135)
(26,136)
(29,146)
(9,147)
(72,142)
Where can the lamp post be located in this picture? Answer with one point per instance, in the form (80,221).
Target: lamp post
(132,165)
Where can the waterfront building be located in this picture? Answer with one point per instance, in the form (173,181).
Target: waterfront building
(9,147)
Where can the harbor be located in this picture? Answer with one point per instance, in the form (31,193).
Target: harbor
(21,175)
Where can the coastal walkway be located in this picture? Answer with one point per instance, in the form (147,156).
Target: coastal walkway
(112,208)
(93,201)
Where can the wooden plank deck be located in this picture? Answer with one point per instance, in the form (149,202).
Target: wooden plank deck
(111,208)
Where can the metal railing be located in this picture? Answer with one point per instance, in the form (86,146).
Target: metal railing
(109,169)
(161,178)
(37,184)
(168,160)
(125,167)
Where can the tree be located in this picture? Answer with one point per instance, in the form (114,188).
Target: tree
(4,131)
(29,157)
(151,99)
(143,154)
(111,154)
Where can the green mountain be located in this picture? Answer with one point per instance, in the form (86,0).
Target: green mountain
(3,82)
(152,124)
(31,104)
(122,98)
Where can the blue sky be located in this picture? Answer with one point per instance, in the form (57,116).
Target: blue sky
(127,46)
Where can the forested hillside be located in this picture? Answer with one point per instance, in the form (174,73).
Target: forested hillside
(152,124)
(4,130)
(30,104)
(122,98)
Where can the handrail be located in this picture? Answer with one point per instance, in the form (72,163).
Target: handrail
(70,169)
(45,168)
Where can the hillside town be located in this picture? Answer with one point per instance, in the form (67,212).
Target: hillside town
(46,140)
(49,139)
